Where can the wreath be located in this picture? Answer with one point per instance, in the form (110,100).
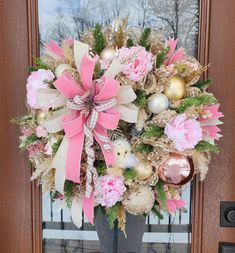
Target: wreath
(118,120)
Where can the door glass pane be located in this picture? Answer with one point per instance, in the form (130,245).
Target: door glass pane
(60,19)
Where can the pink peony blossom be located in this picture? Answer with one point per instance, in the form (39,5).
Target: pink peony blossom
(136,62)
(185,133)
(37,81)
(41,131)
(112,190)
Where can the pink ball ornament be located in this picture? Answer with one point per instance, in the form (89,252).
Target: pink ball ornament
(176,170)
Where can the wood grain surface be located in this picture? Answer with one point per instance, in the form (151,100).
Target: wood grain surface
(18,206)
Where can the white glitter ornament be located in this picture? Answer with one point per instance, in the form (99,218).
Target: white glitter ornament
(158,103)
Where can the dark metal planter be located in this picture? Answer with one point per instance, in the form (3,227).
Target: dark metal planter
(114,241)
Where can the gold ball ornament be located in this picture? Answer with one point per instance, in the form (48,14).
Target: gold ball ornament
(108,54)
(143,171)
(139,200)
(175,88)
(60,69)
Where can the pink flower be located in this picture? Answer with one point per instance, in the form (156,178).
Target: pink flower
(174,204)
(136,62)
(37,81)
(26,131)
(48,149)
(185,133)
(173,54)
(112,190)
(34,149)
(41,131)
(209,121)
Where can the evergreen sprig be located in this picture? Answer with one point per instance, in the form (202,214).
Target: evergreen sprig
(38,65)
(144,39)
(130,42)
(161,57)
(112,213)
(28,141)
(22,120)
(56,146)
(129,174)
(100,168)
(68,192)
(99,39)
(206,146)
(153,131)
(161,195)
(203,84)
(143,148)
(141,100)
(204,99)
(157,212)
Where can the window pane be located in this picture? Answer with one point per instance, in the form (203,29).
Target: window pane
(60,19)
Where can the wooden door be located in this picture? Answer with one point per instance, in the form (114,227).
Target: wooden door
(20,222)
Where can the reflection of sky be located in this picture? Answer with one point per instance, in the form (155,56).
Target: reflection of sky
(47,10)
(98,11)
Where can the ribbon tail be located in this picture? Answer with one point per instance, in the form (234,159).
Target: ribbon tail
(76,211)
(114,68)
(88,207)
(59,163)
(109,155)
(129,112)
(74,155)
(53,124)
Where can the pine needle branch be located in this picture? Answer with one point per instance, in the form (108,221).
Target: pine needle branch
(206,146)
(144,39)
(141,100)
(161,57)
(203,84)
(204,99)
(153,131)
(99,40)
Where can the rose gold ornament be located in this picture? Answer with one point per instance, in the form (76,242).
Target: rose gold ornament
(175,88)
(177,170)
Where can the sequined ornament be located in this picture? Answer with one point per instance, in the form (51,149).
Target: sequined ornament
(139,200)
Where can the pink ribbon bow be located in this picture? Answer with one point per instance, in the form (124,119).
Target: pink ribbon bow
(92,114)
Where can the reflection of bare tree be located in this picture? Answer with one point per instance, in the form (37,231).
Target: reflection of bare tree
(177,18)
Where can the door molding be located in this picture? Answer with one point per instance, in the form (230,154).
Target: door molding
(198,187)
(36,198)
